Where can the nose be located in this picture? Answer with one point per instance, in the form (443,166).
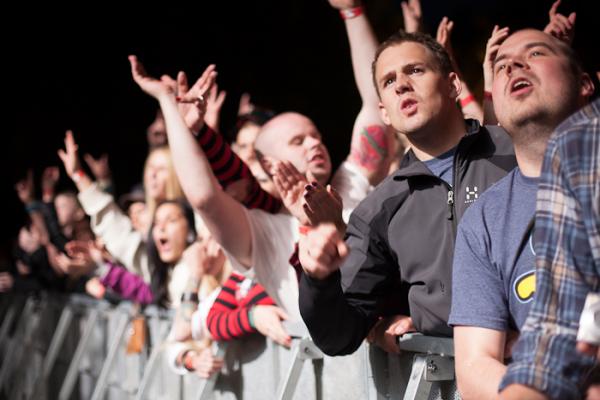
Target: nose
(515,63)
(312,141)
(403,85)
(160,226)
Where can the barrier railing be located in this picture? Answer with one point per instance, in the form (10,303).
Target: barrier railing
(54,347)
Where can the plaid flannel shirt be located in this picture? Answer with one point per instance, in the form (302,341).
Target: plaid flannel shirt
(567,246)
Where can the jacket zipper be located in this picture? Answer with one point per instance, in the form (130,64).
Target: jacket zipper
(450,203)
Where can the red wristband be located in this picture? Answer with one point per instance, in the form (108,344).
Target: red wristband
(304,229)
(77,175)
(350,13)
(467,100)
(487,95)
(186,361)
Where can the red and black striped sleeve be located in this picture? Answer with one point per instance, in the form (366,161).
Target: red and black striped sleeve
(228,317)
(229,168)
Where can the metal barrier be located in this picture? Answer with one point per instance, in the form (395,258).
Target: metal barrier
(54,347)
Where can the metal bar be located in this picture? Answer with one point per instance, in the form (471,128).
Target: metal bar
(71,376)
(66,317)
(288,385)
(12,350)
(27,351)
(209,384)
(7,323)
(306,350)
(149,372)
(419,343)
(118,335)
(418,388)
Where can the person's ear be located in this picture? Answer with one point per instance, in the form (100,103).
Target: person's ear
(455,85)
(190,238)
(587,85)
(384,114)
(266,162)
(79,214)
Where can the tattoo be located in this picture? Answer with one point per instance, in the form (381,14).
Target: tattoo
(371,148)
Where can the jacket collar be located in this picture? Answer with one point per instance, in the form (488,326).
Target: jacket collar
(412,166)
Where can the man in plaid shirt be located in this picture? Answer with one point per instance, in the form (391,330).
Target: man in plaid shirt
(567,244)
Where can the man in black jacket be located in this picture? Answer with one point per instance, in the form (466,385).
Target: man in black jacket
(397,257)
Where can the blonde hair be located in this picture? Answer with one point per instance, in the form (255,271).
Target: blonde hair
(172,190)
(210,283)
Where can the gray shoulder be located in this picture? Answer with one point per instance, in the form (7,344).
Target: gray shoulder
(390,190)
(501,139)
(488,206)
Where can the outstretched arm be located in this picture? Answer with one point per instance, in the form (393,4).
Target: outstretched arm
(370,145)
(491,49)
(226,165)
(225,217)
(411,12)
(469,105)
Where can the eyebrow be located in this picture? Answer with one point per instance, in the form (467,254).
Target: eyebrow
(386,76)
(296,136)
(527,47)
(405,67)
(408,66)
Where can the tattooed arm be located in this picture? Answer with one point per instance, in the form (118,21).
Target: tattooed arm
(370,148)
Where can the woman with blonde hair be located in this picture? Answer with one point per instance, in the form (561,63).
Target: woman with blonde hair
(125,243)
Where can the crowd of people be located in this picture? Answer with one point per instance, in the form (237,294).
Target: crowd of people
(449,216)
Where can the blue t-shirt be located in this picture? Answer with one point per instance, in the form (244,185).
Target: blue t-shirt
(492,283)
(441,166)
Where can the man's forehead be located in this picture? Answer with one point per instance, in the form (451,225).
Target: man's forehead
(284,126)
(405,53)
(525,39)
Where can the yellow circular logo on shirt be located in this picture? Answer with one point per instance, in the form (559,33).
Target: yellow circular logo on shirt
(525,286)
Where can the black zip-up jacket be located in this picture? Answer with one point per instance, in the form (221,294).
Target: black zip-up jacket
(401,240)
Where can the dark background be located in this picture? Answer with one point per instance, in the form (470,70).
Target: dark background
(68,69)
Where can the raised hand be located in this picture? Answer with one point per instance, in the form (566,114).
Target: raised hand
(322,250)
(79,261)
(411,12)
(323,204)
(214,103)
(344,4)
(491,50)
(99,166)
(444,32)
(386,330)
(156,88)
(246,106)
(193,101)
(6,282)
(267,320)
(50,178)
(69,156)
(291,185)
(24,188)
(29,240)
(204,258)
(560,26)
